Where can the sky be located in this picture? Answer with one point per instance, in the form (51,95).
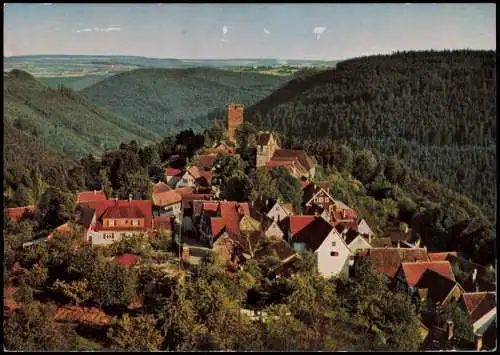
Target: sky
(216,31)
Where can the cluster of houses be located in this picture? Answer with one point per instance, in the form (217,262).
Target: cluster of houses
(187,204)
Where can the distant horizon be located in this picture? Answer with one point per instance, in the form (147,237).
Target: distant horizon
(243,58)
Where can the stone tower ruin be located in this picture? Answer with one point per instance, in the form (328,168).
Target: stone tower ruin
(234,120)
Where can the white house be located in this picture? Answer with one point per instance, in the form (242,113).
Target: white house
(279,212)
(168,203)
(330,248)
(364,228)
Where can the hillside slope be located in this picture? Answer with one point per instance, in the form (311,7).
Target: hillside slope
(435,110)
(167,100)
(63,119)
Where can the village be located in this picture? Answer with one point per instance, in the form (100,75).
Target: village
(187,206)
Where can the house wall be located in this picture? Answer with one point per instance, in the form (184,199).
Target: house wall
(109,237)
(123,222)
(333,265)
(359,243)
(265,152)
(364,228)
(454,296)
(274,231)
(249,224)
(277,213)
(223,248)
(482,323)
(323,200)
(172,210)
(187,180)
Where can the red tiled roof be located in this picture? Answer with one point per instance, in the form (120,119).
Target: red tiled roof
(210,206)
(137,303)
(230,216)
(16,213)
(166,198)
(89,315)
(87,196)
(479,303)
(206,161)
(162,222)
(172,172)
(217,224)
(441,256)
(297,223)
(127,259)
(63,228)
(303,158)
(123,211)
(9,304)
(388,260)
(413,271)
(133,209)
(161,187)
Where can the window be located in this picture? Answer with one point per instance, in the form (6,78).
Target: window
(111,222)
(334,253)
(334,244)
(320,199)
(126,221)
(135,222)
(351,257)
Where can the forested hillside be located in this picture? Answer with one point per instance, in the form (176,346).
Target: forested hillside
(73,82)
(434,110)
(168,100)
(63,119)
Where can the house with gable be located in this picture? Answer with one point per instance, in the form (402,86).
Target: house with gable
(364,229)
(226,217)
(354,240)
(168,203)
(114,219)
(272,209)
(482,309)
(437,288)
(321,238)
(269,154)
(172,176)
(318,201)
(410,273)
(195,177)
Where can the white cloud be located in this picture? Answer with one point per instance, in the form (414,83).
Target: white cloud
(266,31)
(224,30)
(47,4)
(319,30)
(99,29)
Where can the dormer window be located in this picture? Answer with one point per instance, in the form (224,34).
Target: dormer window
(111,222)
(135,222)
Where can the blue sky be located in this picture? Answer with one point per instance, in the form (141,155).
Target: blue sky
(283,31)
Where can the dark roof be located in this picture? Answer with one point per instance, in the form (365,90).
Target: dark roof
(379,242)
(303,158)
(314,233)
(281,248)
(263,138)
(438,286)
(313,188)
(350,235)
(397,235)
(262,205)
(86,215)
(479,303)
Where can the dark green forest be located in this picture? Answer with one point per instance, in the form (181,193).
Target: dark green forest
(436,110)
(169,100)
(64,119)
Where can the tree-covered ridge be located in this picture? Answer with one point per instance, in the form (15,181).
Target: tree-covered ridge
(63,119)
(168,100)
(411,103)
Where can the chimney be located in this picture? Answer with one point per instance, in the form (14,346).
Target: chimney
(417,243)
(95,192)
(449,329)
(399,245)
(478,342)
(406,228)
(130,198)
(474,276)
